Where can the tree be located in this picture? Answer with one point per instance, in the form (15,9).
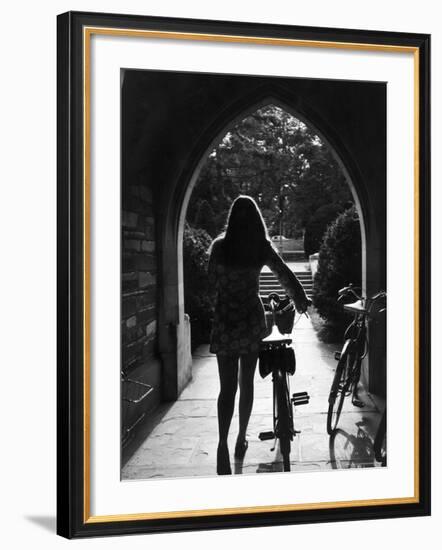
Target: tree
(205,218)
(321,184)
(280,162)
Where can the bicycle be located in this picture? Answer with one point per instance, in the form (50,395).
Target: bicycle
(278,357)
(353,351)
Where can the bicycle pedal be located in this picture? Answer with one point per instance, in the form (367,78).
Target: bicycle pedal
(265,436)
(337,355)
(299,402)
(300,398)
(299,394)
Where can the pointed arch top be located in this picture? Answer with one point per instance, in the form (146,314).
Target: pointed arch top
(263,97)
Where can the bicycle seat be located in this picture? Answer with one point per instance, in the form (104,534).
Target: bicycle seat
(276,337)
(356,307)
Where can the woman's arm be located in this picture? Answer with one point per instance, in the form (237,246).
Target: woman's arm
(288,280)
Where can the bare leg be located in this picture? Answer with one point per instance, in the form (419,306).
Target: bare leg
(246,385)
(228,377)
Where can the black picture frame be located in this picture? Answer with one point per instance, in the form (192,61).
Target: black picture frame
(73,520)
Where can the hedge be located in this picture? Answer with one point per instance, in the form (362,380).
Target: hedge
(317,226)
(339,264)
(197,300)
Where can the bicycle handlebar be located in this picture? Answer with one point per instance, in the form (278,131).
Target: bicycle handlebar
(369,302)
(274,300)
(350,289)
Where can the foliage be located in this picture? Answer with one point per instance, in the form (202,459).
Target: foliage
(339,264)
(280,162)
(317,225)
(198,304)
(205,218)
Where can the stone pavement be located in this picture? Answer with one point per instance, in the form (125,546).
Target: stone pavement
(183,435)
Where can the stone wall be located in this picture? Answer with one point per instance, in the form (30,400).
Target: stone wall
(139,296)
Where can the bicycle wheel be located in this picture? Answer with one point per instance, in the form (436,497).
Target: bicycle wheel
(380,443)
(284,444)
(338,391)
(284,417)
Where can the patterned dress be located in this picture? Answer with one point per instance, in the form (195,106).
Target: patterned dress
(239,321)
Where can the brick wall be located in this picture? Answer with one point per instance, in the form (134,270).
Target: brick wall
(138,304)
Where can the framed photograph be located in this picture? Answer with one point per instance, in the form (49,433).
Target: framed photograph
(236,202)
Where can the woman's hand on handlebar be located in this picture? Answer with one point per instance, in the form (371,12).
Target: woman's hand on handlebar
(302,304)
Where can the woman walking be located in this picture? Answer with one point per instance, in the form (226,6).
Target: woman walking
(236,259)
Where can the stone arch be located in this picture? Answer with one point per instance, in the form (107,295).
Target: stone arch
(273,100)
(170,120)
(365,173)
(179,200)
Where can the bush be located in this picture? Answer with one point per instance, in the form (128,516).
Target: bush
(339,264)
(317,226)
(197,300)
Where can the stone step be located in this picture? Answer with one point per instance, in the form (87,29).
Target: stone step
(268,282)
(282,292)
(297,273)
(272,279)
(293,256)
(264,295)
(268,279)
(270,288)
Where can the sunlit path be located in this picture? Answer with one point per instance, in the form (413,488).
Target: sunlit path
(183,435)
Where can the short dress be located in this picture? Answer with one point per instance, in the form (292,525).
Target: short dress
(239,320)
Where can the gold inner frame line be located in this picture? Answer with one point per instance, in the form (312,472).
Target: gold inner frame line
(355,46)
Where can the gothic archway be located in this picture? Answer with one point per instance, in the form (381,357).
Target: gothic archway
(265,102)
(172,323)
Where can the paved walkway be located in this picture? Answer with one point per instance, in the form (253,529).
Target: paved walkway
(183,437)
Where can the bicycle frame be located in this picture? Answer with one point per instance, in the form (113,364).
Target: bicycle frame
(356,336)
(283,428)
(281,380)
(356,332)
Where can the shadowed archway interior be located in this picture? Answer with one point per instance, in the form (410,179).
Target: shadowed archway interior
(170,123)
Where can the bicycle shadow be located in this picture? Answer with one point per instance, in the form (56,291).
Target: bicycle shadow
(270,466)
(351,450)
(346,450)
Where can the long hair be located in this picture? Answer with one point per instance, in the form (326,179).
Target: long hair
(245,240)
